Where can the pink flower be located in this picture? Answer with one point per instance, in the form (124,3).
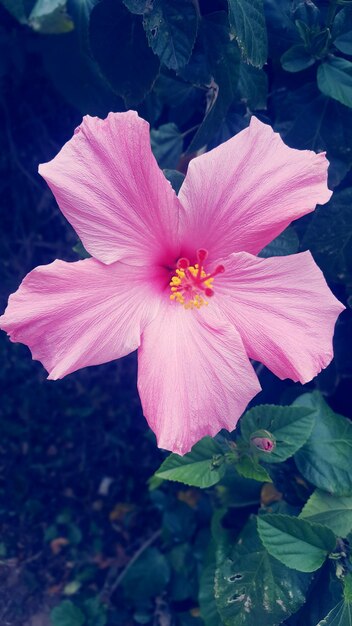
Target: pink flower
(159,259)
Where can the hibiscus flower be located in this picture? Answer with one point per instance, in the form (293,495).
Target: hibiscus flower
(177,276)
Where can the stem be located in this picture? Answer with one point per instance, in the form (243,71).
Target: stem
(106,594)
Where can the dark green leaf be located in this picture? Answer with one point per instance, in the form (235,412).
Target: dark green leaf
(137,6)
(284,244)
(248,24)
(329,236)
(175,178)
(295,542)
(148,576)
(341,615)
(331,511)
(122,53)
(309,120)
(325,459)
(50,16)
(67,614)
(335,79)
(95,611)
(253,86)
(202,467)
(342,30)
(344,43)
(171,29)
(296,59)
(167,145)
(17,9)
(70,66)
(253,588)
(291,426)
(248,467)
(207,603)
(224,62)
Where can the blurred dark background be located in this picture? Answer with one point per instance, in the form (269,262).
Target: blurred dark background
(76,454)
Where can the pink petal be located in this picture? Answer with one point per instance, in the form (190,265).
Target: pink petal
(72,315)
(194,376)
(241,195)
(110,188)
(283,310)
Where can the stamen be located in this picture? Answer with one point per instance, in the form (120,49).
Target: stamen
(191,283)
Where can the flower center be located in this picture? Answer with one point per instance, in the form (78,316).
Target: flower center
(191,285)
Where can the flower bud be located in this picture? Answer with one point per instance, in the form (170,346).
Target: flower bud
(263,441)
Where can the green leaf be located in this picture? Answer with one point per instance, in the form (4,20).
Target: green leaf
(341,615)
(202,467)
(296,59)
(171,29)
(248,24)
(208,609)
(253,588)
(67,614)
(95,611)
(335,79)
(148,576)
(331,511)
(167,144)
(250,468)
(308,120)
(175,178)
(325,459)
(284,244)
(121,50)
(295,542)
(137,6)
(344,42)
(253,86)
(329,236)
(224,61)
(50,16)
(342,30)
(290,425)
(17,9)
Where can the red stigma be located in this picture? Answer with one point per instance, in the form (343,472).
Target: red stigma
(202,254)
(183,263)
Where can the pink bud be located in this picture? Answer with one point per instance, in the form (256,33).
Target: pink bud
(263,440)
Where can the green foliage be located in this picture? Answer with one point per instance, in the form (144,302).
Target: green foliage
(254,588)
(67,614)
(335,79)
(167,145)
(175,178)
(248,25)
(291,427)
(331,511)
(284,244)
(297,543)
(296,59)
(223,60)
(123,54)
(248,467)
(342,30)
(136,584)
(171,30)
(76,501)
(324,459)
(329,236)
(253,86)
(341,615)
(202,467)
